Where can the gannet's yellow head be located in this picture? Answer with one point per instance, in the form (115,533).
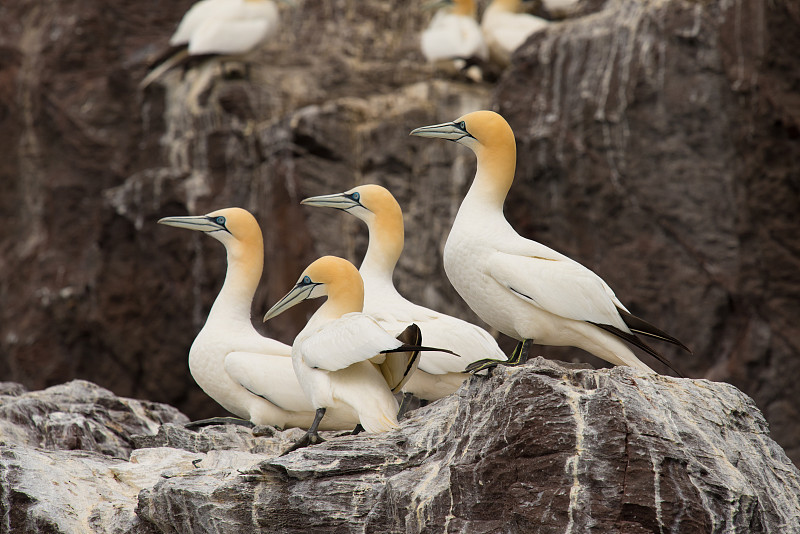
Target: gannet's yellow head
(335,277)
(480,130)
(491,138)
(367,202)
(230,226)
(456,7)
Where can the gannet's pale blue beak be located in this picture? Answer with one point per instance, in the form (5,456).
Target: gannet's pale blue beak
(201,223)
(340,201)
(300,292)
(452,131)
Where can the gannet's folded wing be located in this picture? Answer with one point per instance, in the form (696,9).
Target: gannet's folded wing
(352,338)
(271,377)
(561,287)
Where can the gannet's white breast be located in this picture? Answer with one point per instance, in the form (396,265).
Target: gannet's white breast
(335,362)
(521,287)
(505,32)
(240,369)
(452,36)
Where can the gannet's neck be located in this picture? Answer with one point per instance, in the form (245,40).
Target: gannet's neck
(496,166)
(465,8)
(345,295)
(510,6)
(245,265)
(386,239)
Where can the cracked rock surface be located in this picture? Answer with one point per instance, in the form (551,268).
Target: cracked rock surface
(540,448)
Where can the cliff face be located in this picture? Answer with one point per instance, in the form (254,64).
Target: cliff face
(657,145)
(541,448)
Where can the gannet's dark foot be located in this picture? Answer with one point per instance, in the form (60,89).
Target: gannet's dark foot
(518,357)
(405,405)
(310,437)
(192,425)
(357,430)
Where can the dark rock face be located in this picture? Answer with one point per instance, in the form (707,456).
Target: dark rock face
(657,145)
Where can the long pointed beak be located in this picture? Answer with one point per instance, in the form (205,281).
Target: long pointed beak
(446,130)
(339,201)
(298,294)
(197,222)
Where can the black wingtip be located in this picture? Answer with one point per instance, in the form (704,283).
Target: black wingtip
(633,340)
(640,326)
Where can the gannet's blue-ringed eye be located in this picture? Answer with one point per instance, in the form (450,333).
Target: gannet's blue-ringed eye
(220,220)
(306,281)
(355,196)
(462,125)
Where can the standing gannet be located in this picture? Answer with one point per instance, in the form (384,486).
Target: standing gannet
(505,28)
(453,35)
(439,374)
(248,374)
(218,27)
(523,288)
(342,357)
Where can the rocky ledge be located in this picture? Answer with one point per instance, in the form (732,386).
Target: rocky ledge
(541,448)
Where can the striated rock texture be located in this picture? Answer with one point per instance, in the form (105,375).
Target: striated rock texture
(658,145)
(65,458)
(542,448)
(659,142)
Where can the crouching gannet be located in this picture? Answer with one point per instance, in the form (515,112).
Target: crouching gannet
(248,374)
(343,358)
(505,28)
(218,27)
(439,374)
(523,288)
(453,35)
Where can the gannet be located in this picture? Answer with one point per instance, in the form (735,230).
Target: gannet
(453,35)
(439,374)
(248,374)
(523,288)
(342,357)
(505,28)
(218,27)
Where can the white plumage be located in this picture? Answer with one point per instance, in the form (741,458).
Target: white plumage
(439,373)
(521,287)
(505,29)
(337,355)
(226,26)
(218,27)
(248,374)
(454,33)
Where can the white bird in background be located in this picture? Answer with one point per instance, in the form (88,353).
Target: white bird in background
(505,28)
(248,374)
(218,27)
(453,37)
(439,374)
(523,288)
(342,357)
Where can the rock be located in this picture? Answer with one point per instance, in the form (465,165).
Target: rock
(657,145)
(79,415)
(65,458)
(540,448)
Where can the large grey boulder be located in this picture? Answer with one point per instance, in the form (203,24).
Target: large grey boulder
(541,448)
